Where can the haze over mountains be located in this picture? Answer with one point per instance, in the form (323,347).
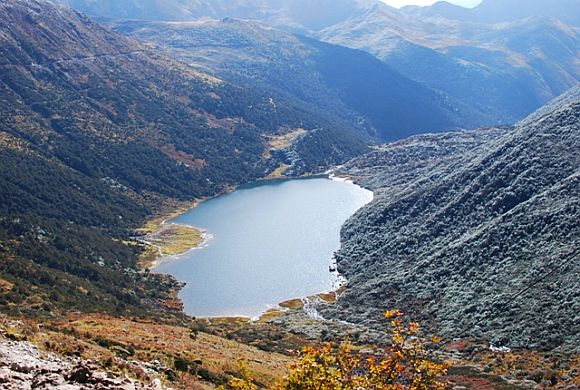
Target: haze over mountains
(490,74)
(505,71)
(501,11)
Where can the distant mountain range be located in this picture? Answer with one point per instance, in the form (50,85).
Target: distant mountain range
(305,15)
(491,74)
(502,11)
(475,233)
(502,71)
(301,15)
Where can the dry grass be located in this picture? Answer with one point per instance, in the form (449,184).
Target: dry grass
(328,297)
(9,142)
(170,211)
(177,239)
(153,341)
(170,240)
(270,315)
(278,172)
(281,142)
(160,239)
(5,285)
(286,140)
(293,304)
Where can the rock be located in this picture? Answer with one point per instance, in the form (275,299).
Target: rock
(80,374)
(23,366)
(48,380)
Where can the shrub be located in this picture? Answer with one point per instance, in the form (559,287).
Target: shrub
(406,364)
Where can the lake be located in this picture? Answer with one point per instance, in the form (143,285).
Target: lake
(269,242)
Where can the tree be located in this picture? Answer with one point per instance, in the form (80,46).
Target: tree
(406,364)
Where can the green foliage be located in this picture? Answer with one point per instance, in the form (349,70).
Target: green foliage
(100,131)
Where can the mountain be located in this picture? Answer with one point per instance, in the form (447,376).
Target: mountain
(439,9)
(344,83)
(299,15)
(498,73)
(97,132)
(502,11)
(475,233)
(504,72)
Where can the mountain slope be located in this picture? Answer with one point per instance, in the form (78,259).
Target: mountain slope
(474,233)
(501,11)
(344,83)
(96,133)
(504,72)
(498,11)
(299,15)
(497,74)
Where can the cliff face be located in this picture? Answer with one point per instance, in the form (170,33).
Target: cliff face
(474,233)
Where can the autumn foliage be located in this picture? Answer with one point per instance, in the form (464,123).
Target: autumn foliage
(406,364)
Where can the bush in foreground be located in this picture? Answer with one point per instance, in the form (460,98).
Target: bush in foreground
(406,364)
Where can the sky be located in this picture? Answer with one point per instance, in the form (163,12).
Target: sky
(400,3)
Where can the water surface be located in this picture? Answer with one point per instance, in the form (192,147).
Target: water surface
(270,242)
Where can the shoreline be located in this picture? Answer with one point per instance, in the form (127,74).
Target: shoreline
(202,240)
(156,226)
(283,307)
(160,238)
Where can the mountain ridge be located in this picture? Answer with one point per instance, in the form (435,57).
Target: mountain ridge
(494,11)
(460,233)
(513,68)
(361,89)
(458,58)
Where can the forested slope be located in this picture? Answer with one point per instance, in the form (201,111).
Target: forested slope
(350,85)
(97,131)
(474,233)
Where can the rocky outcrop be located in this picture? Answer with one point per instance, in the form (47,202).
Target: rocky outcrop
(24,366)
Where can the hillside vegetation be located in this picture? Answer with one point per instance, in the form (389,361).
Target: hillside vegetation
(348,85)
(475,233)
(98,132)
(493,65)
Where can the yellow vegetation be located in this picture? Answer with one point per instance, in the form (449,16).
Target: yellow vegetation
(404,365)
(168,241)
(153,341)
(286,140)
(9,142)
(161,239)
(5,285)
(293,304)
(278,172)
(281,142)
(270,315)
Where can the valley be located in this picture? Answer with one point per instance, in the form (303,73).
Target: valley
(133,131)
